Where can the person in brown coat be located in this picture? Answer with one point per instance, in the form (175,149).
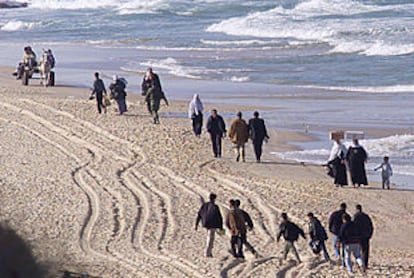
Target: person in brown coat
(237,225)
(239,135)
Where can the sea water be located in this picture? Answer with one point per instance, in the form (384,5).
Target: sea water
(323,64)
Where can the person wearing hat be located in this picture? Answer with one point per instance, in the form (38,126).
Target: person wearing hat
(118,93)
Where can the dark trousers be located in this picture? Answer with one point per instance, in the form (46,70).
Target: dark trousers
(122,108)
(236,246)
(257,144)
(365,250)
(244,241)
(216,142)
(99,101)
(197,123)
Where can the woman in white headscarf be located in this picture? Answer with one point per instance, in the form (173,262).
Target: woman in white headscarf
(337,162)
(195,112)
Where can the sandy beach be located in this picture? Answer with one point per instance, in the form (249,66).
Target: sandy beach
(116,196)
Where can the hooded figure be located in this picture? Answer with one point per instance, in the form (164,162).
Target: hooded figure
(357,156)
(118,93)
(195,113)
(151,89)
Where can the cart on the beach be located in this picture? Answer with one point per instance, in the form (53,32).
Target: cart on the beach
(34,72)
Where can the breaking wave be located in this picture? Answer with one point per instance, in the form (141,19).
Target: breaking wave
(16,25)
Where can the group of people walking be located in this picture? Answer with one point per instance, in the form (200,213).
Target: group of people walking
(237,221)
(351,236)
(354,158)
(239,133)
(151,89)
(117,90)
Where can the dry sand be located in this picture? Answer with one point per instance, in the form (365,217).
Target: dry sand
(116,196)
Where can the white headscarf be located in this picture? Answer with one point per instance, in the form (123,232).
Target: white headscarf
(336,151)
(195,107)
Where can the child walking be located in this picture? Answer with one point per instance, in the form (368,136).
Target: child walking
(386,172)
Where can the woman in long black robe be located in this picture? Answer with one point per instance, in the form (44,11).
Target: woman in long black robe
(357,158)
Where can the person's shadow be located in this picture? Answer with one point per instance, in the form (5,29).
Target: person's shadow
(16,257)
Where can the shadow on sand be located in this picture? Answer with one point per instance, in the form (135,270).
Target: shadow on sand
(16,257)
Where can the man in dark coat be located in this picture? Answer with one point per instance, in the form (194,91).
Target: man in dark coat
(99,90)
(150,80)
(258,133)
(364,224)
(357,157)
(290,232)
(118,93)
(335,223)
(318,235)
(217,129)
(350,239)
(210,216)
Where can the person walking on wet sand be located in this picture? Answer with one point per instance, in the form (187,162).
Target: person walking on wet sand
(150,80)
(211,219)
(195,113)
(239,135)
(99,91)
(217,129)
(366,229)
(290,232)
(237,225)
(386,172)
(258,133)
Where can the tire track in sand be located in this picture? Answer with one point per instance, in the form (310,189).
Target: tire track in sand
(114,138)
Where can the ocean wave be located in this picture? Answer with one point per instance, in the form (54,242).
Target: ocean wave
(16,25)
(332,22)
(367,89)
(173,67)
(239,79)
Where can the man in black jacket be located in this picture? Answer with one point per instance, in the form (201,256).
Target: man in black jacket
(210,216)
(258,133)
(335,223)
(290,232)
(99,90)
(350,239)
(364,224)
(217,129)
(318,235)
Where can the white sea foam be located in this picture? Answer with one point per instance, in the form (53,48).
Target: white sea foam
(328,21)
(367,89)
(172,66)
(16,25)
(240,78)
